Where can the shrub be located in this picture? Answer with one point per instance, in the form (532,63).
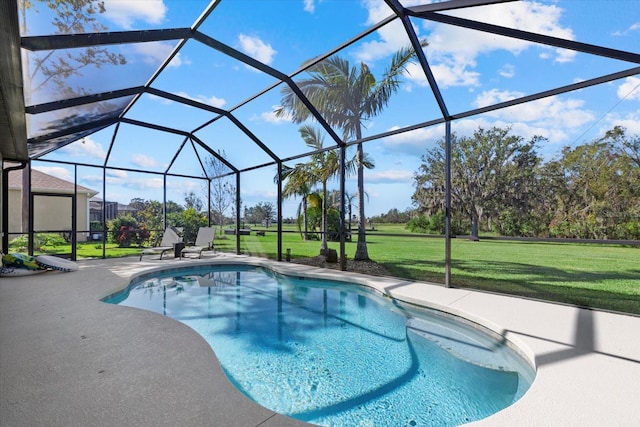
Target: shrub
(125,232)
(50,239)
(191,221)
(19,244)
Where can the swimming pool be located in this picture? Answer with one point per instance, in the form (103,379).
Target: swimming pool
(333,353)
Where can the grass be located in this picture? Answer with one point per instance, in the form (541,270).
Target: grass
(598,276)
(587,275)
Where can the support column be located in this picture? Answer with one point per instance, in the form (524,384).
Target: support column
(447,206)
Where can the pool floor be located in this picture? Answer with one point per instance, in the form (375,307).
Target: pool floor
(336,354)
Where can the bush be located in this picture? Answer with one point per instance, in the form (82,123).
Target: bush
(419,224)
(333,225)
(125,232)
(191,221)
(428,225)
(20,244)
(435,224)
(49,239)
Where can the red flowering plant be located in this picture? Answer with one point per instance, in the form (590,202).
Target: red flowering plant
(125,231)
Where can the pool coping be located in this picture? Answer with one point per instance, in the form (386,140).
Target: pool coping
(68,359)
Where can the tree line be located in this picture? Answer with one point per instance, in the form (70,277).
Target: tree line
(145,222)
(500,184)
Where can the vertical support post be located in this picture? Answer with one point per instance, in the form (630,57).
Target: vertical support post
(209,203)
(279,218)
(447,206)
(26,186)
(74,214)
(343,255)
(164,201)
(238,203)
(104,213)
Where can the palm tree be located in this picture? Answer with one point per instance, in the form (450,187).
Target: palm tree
(322,166)
(349,197)
(347,97)
(297,184)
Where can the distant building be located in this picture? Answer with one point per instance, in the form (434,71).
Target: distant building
(112,210)
(52,204)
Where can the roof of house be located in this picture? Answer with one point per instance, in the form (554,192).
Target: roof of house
(43,182)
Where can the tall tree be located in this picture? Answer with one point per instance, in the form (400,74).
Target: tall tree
(347,97)
(297,183)
(191,200)
(223,189)
(322,166)
(601,197)
(489,169)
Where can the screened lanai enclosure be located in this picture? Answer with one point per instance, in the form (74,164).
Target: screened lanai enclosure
(467,115)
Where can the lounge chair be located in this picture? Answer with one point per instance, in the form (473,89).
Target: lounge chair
(169,238)
(204,242)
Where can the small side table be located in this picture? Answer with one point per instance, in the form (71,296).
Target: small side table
(177,249)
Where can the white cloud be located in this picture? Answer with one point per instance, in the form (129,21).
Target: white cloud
(144,183)
(125,13)
(256,48)
(85,147)
(632,28)
(211,100)
(122,178)
(630,121)
(118,174)
(630,89)
(57,171)
(159,99)
(507,71)
(155,53)
(392,36)
(389,176)
(309,6)
(270,117)
(452,51)
(92,181)
(552,112)
(413,142)
(447,41)
(553,118)
(143,161)
(185,186)
(449,72)
(526,16)
(258,194)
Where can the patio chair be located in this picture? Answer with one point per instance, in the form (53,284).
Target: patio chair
(204,242)
(169,239)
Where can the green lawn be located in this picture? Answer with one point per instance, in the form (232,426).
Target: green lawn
(600,276)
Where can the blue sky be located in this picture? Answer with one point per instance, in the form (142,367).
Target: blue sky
(472,70)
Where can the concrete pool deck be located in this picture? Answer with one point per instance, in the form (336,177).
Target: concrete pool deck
(67,359)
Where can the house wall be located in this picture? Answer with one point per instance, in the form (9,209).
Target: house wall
(2,202)
(15,216)
(50,213)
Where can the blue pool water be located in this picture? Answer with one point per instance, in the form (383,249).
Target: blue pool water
(336,354)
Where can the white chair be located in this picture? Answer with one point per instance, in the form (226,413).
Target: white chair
(204,242)
(169,238)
